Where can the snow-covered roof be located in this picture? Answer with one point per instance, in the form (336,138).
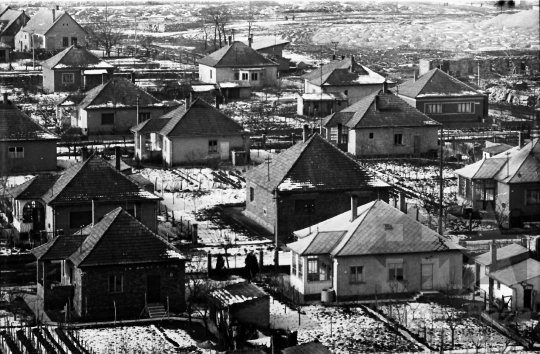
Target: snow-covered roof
(234,84)
(202,88)
(94,72)
(237,294)
(324,96)
(517,273)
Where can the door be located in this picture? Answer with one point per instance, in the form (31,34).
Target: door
(527,298)
(477,275)
(427,276)
(224,150)
(153,289)
(417,144)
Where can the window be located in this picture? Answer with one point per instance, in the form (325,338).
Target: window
(68,78)
(304,206)
(78,219)
(344,135)
(212,145)
(254,76)
(498,285)
(371,135)
(294,260)
(144,116)
(107,119)
(313,268)
(395,271)
(116,283)
(65,41)
(16,152)
(237,76)
(245,76)
(251,194)
(300,267)
(210,73)
(357,275)
(532,197)
(465,107)
(490,190)
(333,134)
(73,40)
(398,139)
(434,108)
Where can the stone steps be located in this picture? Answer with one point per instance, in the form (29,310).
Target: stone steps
(156,310)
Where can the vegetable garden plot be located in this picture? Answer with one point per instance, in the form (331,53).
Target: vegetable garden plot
(433,321)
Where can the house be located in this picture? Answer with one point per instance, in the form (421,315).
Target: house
(346,76)
(75,68)
(183,135)
(51,30)
(382,124)
(507,183)
(271,48)
(4,52)
(238,62)
(307,348)
(508,276)
(444,98)
(115,268)
(493,149)
(320,104)
(373,250)
(11,22)
(65,202)
(305,184)
(25,146)
(114,106)
(244,303)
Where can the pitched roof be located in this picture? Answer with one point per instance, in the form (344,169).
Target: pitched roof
(34,188)
(236,55)
(268,42)
(42,21)
(16,125)
(338,72)
(117,92)
(435,83)
(8,17)
(4,46)
(307,348)
(199,119)
(237,293)
(152,125)
(4,8)
(392,111)
(503,253)
(58,248)
(313,165)
(93,179)
(497,148)
(119,238)
(321,242)
(330,96)
(517,273)
(517,165)
(380,229)
(75,57)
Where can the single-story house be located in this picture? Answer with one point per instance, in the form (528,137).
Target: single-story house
(373,250)
(320,104)
(113,269)
(11,22)
(272,48)
(493,149)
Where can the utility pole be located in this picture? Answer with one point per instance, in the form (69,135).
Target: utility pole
(33,51)
(441,185)
(135,36)
(335,48)
(320,102)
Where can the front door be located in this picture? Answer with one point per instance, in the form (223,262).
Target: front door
(153,289)
(527,298)
(427,276)
(224,150)
(417,144)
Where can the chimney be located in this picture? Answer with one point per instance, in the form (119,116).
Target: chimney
(94,212)
(305,133)
(187,102)
(57,7)
(250,40)
(5,94)
(216,100)
(377,104)
(353,63)
(415,76)
(117,156)
(84,153)
(293,138)
(132,76)
(354,207)
(230,40)
(520,136)
(385,86)
(343,57)
(493,266)
(53,15)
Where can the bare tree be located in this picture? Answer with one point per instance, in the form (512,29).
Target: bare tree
(220,17)
(105,33)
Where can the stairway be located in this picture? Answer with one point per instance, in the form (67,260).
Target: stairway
(156,310)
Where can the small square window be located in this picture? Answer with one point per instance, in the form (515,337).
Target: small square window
(395,271)
(107,119)
(357,275)
(398,139)
(116,283)
(304,207)
(144,116)
(16,152)
(212,145)
(371,135)
(245,76)
(254,76)
(65,41)
(68,78)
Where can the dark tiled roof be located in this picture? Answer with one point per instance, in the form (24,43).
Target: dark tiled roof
(58,248)
(268,42)
(236,55)
(200,118)
(151,125)
(42,21)
(118,93)
(517,273)
(435,83)
(8,18)
(314,165)
(34,188)
(392,112)
(16,125)
(92,179)
(75,57)
(119,238)
(318,243)
(237,293)
(503,253)
(338,72)
(307,348)
(497,149)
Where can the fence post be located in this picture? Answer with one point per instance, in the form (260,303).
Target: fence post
(209,261)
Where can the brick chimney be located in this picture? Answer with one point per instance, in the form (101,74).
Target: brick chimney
(493,266)
(187,102)
(132,77)
(5,95)
(230,40)
(117,156)
(84,153)
(216,101)
(53,14)
(351,68)
(305,133)
(250,40)
(385,86)
(354,207)
(415,76)
(520,139)
(377,103)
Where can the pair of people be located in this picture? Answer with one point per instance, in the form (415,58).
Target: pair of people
(252,266)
